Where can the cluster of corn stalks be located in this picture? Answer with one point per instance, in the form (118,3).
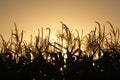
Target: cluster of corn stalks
(71,56)
(68,47)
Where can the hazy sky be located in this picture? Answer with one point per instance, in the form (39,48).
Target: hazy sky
(30,15)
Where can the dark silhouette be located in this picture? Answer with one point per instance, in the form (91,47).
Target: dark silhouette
(62,60)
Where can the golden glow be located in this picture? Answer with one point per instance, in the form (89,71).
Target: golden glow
(30,15)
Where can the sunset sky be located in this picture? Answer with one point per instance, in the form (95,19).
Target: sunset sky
(30,15)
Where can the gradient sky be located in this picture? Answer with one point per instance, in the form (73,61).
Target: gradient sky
(30,15)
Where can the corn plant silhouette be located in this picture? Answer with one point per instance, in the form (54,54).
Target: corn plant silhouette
(62,60)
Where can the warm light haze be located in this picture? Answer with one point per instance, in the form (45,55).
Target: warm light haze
(59,40)
(30,15)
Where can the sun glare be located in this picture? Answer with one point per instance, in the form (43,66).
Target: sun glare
(32,57)
(65,53)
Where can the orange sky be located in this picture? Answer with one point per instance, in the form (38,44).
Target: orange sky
(30,15)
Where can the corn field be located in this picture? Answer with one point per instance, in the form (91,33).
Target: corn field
(72,57)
